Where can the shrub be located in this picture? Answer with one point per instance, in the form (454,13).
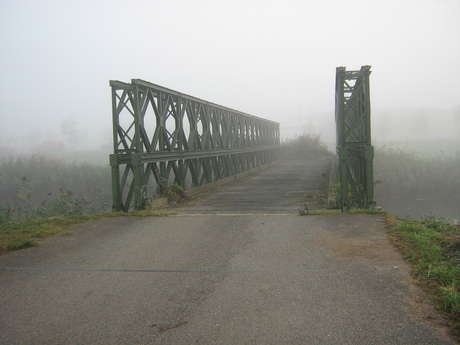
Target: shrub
(304,147)
(175,193)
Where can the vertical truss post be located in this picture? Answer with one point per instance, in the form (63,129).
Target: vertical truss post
(136,164)
(353,129)
(343,174)
(369,201)
(115,167)
(116,192)
(138,168)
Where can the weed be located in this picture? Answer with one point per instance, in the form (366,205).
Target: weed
(23,244)
(375,210)
(16,235)
(148,213)
(404,173)
(305,211)
(352,201)
(44,179)
(175,194)
(23,196)
(432,246)
(5,213)
(27,233)
(67,204)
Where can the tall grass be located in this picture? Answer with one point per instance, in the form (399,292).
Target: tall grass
(42,186)
(404,173)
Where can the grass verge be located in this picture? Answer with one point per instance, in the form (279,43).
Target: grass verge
(432,247)
(28,233)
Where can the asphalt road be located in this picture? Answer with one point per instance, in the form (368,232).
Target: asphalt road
(243,278)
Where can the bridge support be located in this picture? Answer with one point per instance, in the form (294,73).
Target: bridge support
(354,150)
(161,136)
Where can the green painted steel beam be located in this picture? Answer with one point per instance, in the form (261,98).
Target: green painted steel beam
(191,142)
(353,129)
(156,89)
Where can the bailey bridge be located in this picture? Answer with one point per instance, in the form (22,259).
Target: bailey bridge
(163,137)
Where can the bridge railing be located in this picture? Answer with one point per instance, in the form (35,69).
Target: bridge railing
(354,150)
(161,136)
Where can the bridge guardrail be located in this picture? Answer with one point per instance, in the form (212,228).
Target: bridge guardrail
(177,138)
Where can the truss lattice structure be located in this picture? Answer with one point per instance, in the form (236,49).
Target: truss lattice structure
(354,149)
(162,136)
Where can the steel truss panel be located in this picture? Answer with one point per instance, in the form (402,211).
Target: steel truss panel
(354,149)
(161,136)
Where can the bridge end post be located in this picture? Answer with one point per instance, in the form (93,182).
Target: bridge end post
(117,205)
(343,174)
(353,129)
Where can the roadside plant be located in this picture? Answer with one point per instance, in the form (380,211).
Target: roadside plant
(46,175)
(5,213)
(175,193)
(337,188)
(432,246)
(305,211)
(24,205)
(67,204)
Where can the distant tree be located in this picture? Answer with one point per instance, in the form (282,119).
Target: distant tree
(70,131)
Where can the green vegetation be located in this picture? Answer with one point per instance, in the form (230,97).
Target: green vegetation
(376,210)
(304,147)
(404,173)
(353,203)
(66,204)
(38,186)
(174,193)
(27,233)
(432,247)
(37,199)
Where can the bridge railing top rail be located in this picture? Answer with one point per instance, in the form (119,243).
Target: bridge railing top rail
(154,88)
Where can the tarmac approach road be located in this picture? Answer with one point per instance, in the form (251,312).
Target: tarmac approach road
(216,278)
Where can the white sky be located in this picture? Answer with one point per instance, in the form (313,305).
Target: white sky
(270,58)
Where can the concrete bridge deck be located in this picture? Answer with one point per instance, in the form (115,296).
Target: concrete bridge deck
(248,271)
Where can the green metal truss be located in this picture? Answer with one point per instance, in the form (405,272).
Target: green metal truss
(354,150)
(177,138)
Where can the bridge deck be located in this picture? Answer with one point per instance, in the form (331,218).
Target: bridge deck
(283,189)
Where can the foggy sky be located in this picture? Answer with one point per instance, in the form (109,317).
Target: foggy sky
(273,59)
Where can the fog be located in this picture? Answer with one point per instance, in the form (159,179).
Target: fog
(273,59)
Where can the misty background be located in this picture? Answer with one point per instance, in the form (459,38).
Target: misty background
(272,59)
